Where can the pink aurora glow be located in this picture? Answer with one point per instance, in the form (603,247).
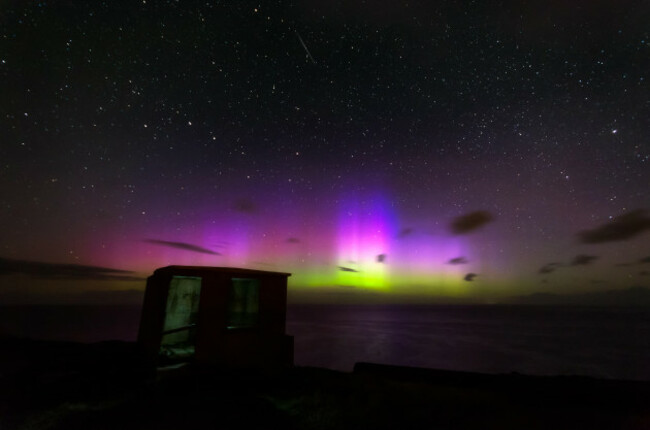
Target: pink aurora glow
(312,242)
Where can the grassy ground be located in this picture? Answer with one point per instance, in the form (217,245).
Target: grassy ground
(50,385)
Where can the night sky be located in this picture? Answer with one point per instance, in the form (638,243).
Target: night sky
(416,151)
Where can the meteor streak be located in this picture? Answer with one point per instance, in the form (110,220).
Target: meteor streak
(305,46)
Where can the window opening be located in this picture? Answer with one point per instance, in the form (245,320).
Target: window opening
(243,303)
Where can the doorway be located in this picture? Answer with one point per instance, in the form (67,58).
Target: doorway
(181,316)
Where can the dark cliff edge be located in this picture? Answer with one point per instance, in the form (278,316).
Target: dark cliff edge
(64,385)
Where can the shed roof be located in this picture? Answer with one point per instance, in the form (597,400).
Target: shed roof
(203,269)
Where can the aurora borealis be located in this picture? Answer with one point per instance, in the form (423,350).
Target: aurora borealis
(340,141)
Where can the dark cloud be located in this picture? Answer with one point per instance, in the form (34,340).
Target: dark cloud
(245,206)
(583,260)
(623,227)
(549,268)
(458,260)
(381,258)
(347,269)
(405,232)
(578,260)
(470,277)
(182,245)
(470,222)
(293,240)
(641,261)
(39,269)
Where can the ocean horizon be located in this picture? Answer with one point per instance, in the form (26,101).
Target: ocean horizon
(603,342)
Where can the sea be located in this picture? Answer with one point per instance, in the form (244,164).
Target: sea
(603,342)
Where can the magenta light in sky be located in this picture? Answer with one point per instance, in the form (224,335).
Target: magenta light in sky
(366,225)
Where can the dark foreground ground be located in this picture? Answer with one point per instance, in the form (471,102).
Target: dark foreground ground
(56,385)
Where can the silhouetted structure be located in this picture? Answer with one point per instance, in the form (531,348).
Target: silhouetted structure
(216,315)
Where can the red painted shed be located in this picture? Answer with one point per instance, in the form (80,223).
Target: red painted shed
(216,315)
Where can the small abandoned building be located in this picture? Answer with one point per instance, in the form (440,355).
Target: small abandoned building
(216,315)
